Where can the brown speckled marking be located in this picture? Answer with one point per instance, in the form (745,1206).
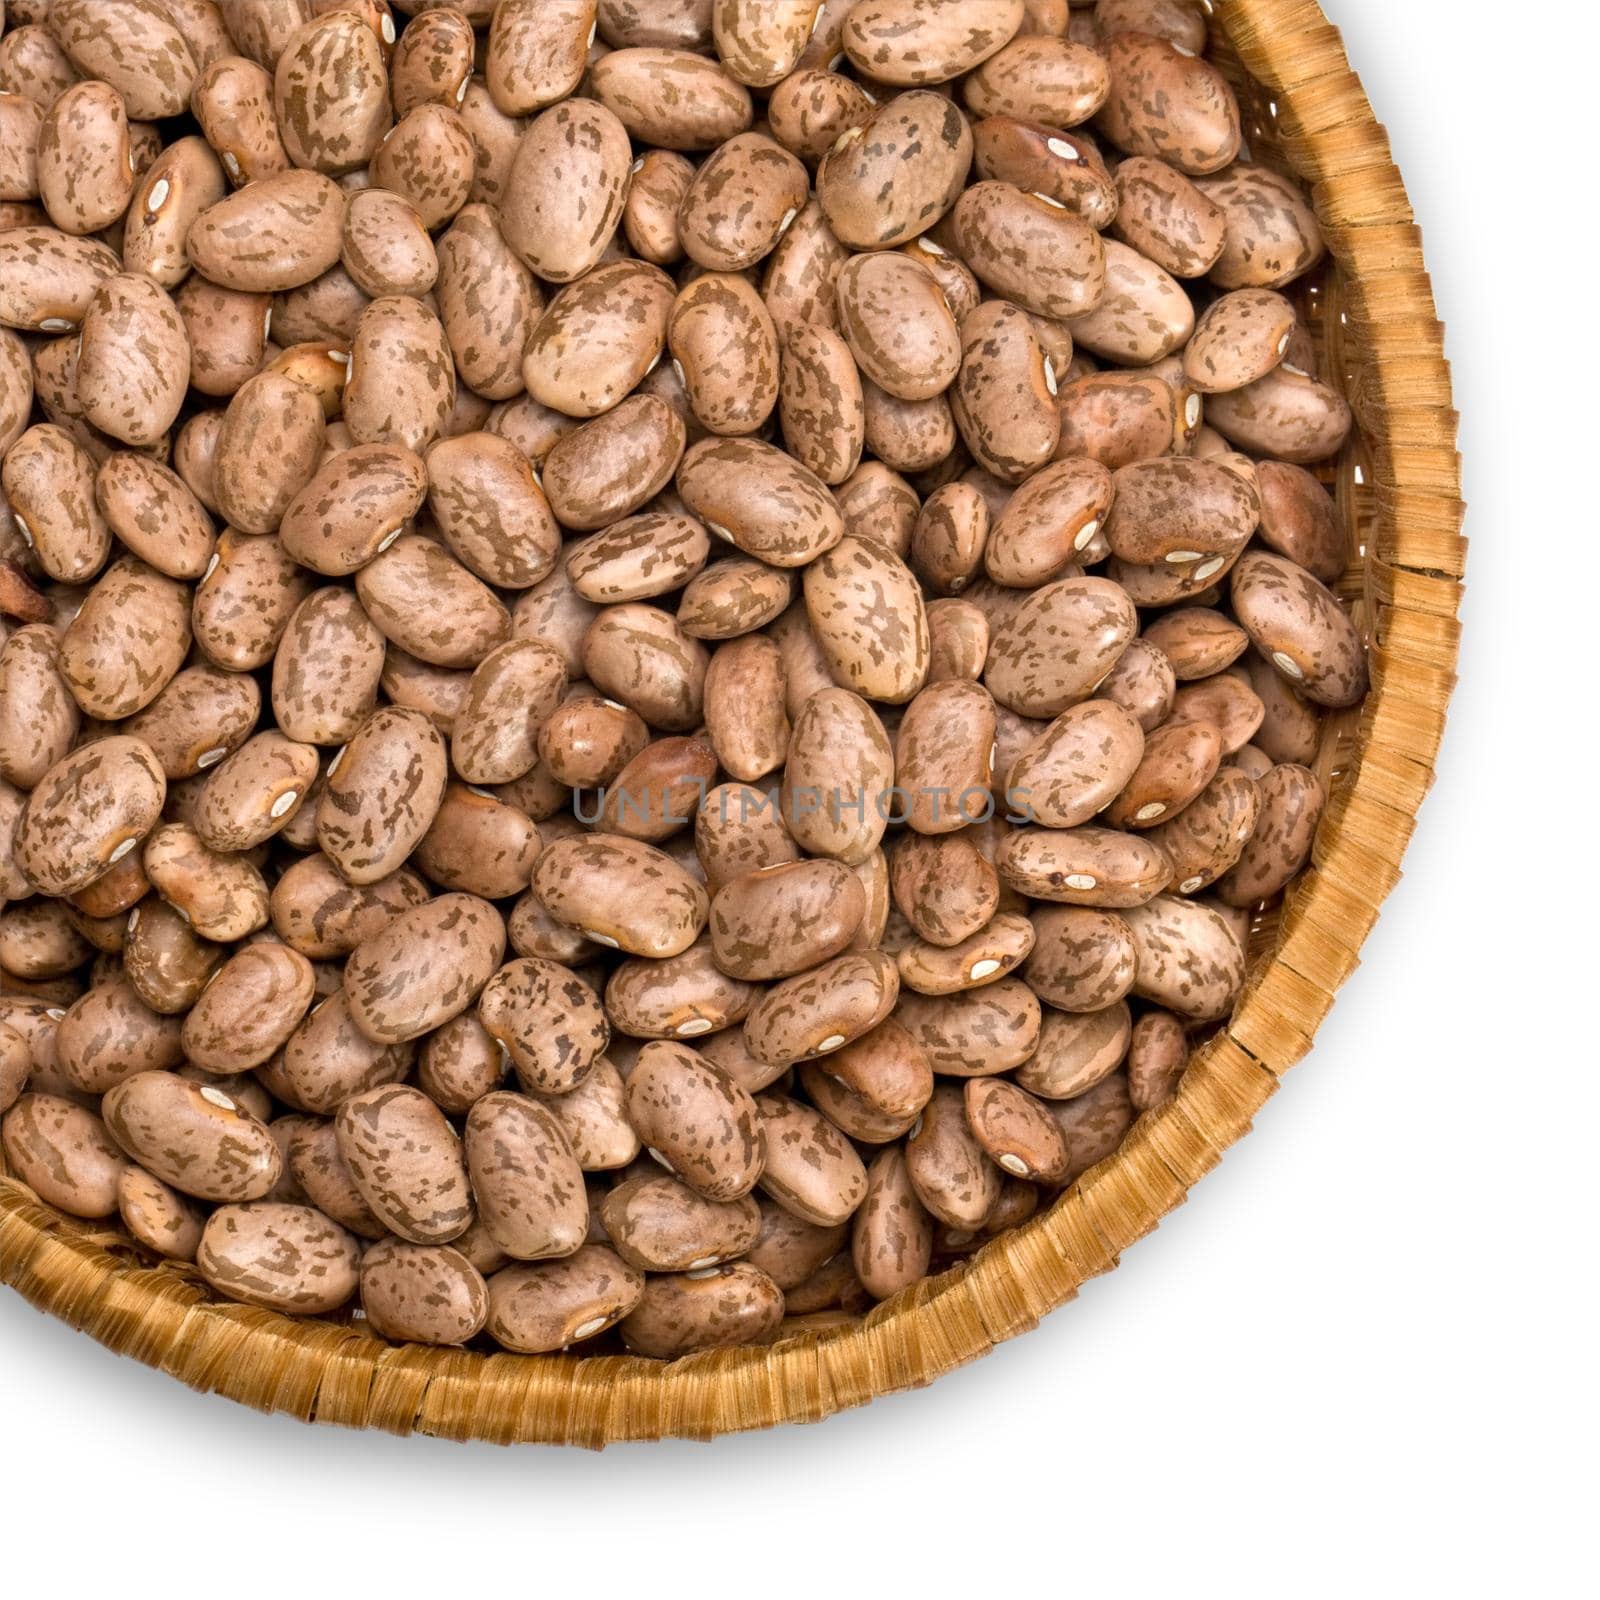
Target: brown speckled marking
(637,654)
(249,1009)
(47,276)
(331,93)
(820,403)
(157,1216)
(816,1012)
(943,884)
(1004,400)
(407,1163)
(1288,413)
(696,1121)
(1272,236)
(811,1170)
(1238,338)
(927,41)
(974,1033)
(1291,806)
(1143,315)
(133,360)
(779,920)
(739,201)
(488,302)
(725,344)
(528,1183)
(631,894)
(491,511)
(947,1167)
(1189,960)
(429,158)
(513,691)
(898,324)
(1078,766)
(1290,615)
(563,196)
(1205,839)
(127,641)
(891,1242)
(85,163)
(613,465)
(1157,1055)
(1094,1122)
(134,45)
(548,1019)
(63,1153)
(86,807)
(866,612)
(547,1307)
(253,793)
(670,97)
(1054,520)
(1164,216)
(810,108)
(658,1224)
(1062,640)
(354,502)
(1076,1050)
(679,996)
(280,231)
(1082,866)
(402,381)
(203,1145)
(598,338)
(49,480)
(428,1294)
(425,966)
(1035,253)
(1040,77)
(428,603)
(1180,758)
(1166,103)
(39,718)
(942,755)
(282,1257)
(1016,1130)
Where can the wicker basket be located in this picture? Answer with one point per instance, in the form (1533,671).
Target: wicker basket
(1397,487)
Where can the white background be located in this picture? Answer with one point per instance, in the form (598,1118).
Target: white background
(1361,1356)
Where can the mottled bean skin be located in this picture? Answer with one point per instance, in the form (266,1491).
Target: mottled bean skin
(63,1153)
(282,1257)
(429,1294)
(528,1184)
(407,1162)
(424,967)
(557,1303)
(696,1121)
(195,1138)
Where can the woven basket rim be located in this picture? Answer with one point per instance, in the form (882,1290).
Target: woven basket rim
(335,1373)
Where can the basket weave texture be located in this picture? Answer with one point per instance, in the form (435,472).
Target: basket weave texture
(1398,489)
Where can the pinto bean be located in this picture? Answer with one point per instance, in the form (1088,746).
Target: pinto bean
(1196,127)
(424,966)
(558,1303)
(710,1309)
(281,1257)
(671,98)
(1298,625)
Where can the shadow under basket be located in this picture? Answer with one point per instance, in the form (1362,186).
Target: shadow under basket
(1397,487)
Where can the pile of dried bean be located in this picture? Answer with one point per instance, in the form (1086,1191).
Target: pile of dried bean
(655,651)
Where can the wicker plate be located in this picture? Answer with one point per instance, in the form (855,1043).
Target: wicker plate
(1398,487)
